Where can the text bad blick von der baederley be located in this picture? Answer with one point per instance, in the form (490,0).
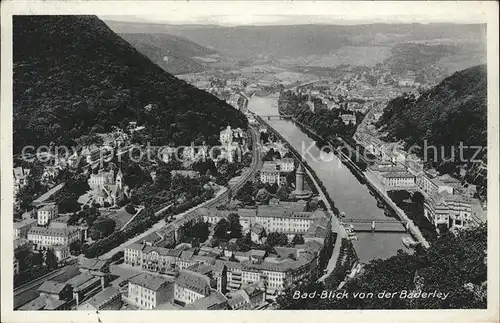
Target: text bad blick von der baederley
(342,294)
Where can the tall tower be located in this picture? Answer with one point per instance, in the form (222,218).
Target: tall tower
(299,179)
(119,179)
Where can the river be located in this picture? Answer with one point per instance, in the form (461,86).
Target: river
(349,195)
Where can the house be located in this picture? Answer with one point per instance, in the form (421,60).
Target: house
(246,298)
(20,178)
(61,252)
(191,286)
(46,212)
(215,301)
(147,291)
(270,173)
(108,299)
(22,228)
(57,290)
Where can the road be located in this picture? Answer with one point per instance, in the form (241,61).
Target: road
(220,196)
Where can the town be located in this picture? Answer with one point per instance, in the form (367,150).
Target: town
(296,185)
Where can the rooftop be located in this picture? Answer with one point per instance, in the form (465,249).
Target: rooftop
(61,232)
(148,281)
(52,287)
(205,303)
(398,175)
(103,296)
(194,281)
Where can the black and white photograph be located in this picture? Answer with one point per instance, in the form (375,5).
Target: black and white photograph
(249,156)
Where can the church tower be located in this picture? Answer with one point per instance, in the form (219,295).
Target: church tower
(119,179)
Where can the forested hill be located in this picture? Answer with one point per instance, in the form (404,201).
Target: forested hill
(174,54)
(73,76)
(454,111)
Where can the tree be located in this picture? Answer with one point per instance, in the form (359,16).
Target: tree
(234,226)
(298,239)
(198,231)
(245,193)
(221,230)
(272,188)
(277,239)
(102,228)
(270,155)
(262,234)
(283,193)
(262,196)
(130,209)
(75,248)
(245,243)
(50,259)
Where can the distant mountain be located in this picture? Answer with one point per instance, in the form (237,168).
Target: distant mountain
(173,54)
(73,76)
(303,40)
(452,112)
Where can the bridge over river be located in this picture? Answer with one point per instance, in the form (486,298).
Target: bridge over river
(350,196)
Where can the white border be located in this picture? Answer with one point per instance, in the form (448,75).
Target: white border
(471,11)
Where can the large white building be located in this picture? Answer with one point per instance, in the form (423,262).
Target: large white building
(46,212)
(271,174)
(48,237)
(450,210)
(399,180)
(147,291)
(286,217)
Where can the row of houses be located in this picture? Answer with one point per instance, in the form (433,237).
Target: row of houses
(203,271)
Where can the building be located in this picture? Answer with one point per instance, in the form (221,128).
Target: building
(191,286)
(132,254)
(270,173)
(83,285)
(46,212)
(215,301)
(106,187)
(286,165)
(108,299)
(185,173)
(147,291)
(48,237)
(16,266)
(167,154)
(450,210)
(53,296)
(246,298)
(348,118)
(61,252)
(20,178)
(22,228)
(399,180)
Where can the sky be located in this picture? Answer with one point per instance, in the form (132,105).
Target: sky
(231,13)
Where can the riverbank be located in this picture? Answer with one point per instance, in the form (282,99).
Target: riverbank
(372,182)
